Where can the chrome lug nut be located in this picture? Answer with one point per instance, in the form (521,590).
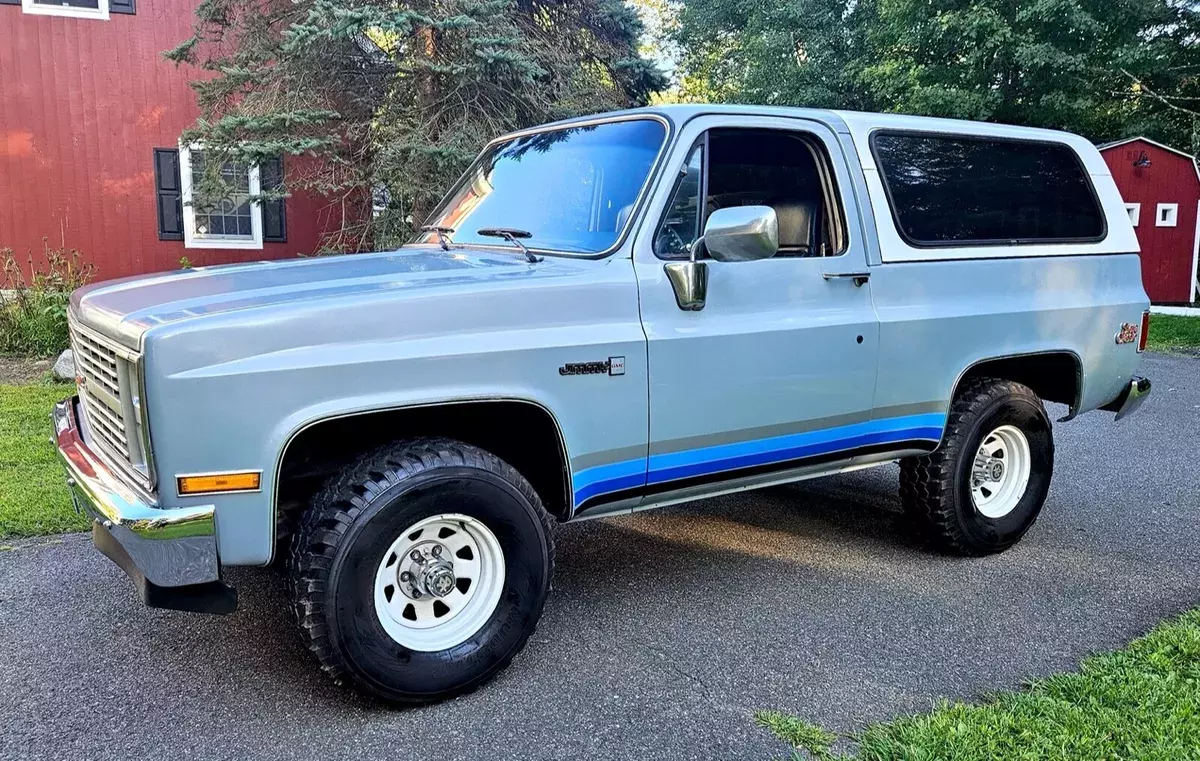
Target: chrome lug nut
(405,576)
(436,550)
(416,555)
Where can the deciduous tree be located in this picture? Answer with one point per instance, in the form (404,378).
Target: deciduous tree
(1103,68)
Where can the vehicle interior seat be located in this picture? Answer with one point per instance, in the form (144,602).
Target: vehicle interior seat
(799,226)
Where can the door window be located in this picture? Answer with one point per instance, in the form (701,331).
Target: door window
(787,171)
(681,224)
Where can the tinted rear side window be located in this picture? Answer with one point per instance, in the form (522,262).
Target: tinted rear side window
(947,190)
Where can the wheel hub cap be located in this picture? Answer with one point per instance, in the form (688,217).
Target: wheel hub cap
(1000,472)
(429,571)
(439,582)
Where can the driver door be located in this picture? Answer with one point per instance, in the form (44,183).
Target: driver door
(775,375)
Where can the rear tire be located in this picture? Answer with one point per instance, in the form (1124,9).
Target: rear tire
(420,571)
(983,488)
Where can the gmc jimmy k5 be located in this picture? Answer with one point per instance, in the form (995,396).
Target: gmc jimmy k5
(604,315)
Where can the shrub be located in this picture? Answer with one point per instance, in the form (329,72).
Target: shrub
(33,316)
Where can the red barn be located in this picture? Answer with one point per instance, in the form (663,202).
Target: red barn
(90,122)
(1161,188)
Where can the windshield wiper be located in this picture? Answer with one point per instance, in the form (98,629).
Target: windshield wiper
(443,234)
(513,236)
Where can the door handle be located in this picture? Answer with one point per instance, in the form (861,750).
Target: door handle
(859,278)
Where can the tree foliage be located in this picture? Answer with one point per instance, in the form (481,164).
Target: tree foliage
(1102,68)
(393,99)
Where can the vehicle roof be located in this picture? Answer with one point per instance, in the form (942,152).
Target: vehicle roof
(861,124)
(841,121)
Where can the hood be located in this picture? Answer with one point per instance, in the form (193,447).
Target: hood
(125,309)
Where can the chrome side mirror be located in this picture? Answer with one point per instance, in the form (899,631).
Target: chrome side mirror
(689,280)
(742,234)
(738,234)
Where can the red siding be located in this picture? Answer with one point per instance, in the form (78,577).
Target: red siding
(1167,252)
(84,103)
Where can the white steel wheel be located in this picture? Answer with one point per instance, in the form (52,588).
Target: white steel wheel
(439,582)
(1000,473)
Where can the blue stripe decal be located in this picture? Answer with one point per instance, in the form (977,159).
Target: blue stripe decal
(609,478)
(709,460)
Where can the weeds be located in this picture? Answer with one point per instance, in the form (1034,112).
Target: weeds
(33,316)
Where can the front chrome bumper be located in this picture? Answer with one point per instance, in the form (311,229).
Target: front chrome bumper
(170,554)
(1130,399)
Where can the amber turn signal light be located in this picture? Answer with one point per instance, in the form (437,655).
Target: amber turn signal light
(218,483)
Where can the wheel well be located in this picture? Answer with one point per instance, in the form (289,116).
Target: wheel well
(523,434)
(1054,376)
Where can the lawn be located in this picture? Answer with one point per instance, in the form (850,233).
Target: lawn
(33,493)
(1136,704)
(1168,331)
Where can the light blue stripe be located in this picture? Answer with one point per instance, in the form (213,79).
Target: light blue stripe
(793,440)
(709,460)
(797,451)
(612,471)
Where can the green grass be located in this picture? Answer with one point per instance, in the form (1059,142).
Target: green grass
(1136,704)
(1168,331)
(33,491)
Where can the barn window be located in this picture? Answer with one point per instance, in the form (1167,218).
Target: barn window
(1134,210)
(235,221)
(1167,215)
(94,9)
(231,222)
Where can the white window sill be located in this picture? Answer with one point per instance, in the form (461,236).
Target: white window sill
(39,9)
(193,242)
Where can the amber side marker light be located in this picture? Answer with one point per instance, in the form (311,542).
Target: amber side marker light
(216,483)
(1145,336)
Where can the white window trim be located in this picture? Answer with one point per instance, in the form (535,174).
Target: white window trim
(1135,213)
(42,9)
(1172,221)
(1195,288)
(191,239)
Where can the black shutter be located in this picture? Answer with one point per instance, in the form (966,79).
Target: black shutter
(168,192)
(270,174)
(121,6)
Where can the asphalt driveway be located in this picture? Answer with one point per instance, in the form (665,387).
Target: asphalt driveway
(665,630)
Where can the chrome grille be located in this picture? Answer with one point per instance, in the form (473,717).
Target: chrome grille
(108,381)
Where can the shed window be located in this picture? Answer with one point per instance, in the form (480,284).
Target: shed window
(95,9)
(236,221)
(1134,211)
(1167,215)
(953,190)
(231,222)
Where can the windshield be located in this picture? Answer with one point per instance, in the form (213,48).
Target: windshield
(572,189)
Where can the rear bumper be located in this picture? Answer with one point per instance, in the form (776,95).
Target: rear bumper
(1130,399)
(169,554)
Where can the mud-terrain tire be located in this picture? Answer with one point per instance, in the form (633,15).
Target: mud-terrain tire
(410,497)
(950,493)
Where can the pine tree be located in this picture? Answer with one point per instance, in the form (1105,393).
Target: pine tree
(392,100)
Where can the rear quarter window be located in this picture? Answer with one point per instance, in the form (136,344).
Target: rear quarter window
(953,190)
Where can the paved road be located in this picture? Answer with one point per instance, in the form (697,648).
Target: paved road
(666,630)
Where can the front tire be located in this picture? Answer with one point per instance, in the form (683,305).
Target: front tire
(985,486)
(421,570)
